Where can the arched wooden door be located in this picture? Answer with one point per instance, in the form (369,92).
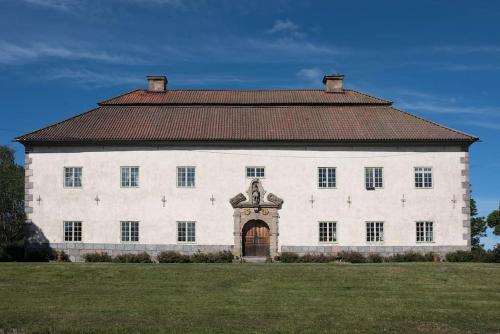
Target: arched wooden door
(255,238)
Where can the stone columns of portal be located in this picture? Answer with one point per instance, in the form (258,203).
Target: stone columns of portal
(269,216)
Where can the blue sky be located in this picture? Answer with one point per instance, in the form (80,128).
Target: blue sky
(437,59)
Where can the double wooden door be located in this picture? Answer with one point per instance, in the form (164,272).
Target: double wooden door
(255,238)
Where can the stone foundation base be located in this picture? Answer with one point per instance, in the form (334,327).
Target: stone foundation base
(77,250)
(382,250)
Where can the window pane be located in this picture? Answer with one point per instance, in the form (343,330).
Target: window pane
(134,231)
(134,176)
(77,177)
(68,180)
(181,231)
(250,172)
(125,177)
(191,232)
(322,232)
(125,231)
(190,176)
(77,231)
(369,177)
(68,231)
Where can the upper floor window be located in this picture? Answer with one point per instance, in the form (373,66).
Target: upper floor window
(186,177)
(374,231)
(374,177)
(327,177)
(72,177)
(186,232)
(129,177)
(129,231)
(255,171)
(327,231)
(425,232)
(72,231)
(423,177)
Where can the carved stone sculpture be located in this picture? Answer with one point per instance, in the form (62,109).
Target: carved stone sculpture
(274,199)
(255,194)
(237,199)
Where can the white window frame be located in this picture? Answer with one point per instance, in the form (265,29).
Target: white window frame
(254,168)
(185,223)
(73,233)
(370,177)
(426,232)
(423,171)
(329,235)
(128,183)
(129,232)
(185,176)
(72,177)
(327,178)
(378,226)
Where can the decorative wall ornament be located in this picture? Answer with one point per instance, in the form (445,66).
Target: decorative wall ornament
(274,199)
(254,207)
(212,199)
(312,201)
(349,202)
(454,201)
(97,199)
(237,200)
(39,199)
(255,198)
(403,200)
(164,200)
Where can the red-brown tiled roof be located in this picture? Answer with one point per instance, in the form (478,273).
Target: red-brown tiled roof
(336,123)
(242,97)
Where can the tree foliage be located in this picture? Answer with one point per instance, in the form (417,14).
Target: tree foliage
(477,226)
(11,205)
(493,221)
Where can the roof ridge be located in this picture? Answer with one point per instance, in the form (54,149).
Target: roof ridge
(437,124)
(19,138)
(371,96)
(118,96)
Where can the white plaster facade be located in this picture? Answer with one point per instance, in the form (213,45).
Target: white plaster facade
(291,173)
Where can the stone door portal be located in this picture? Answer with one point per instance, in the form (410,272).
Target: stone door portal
(255,241)
(256,222)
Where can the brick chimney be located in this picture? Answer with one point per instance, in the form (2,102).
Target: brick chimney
(157,83)
(333,83)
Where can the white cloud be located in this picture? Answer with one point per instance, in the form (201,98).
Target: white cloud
(310,73)
(413,100)
(483,124)
(92,79)
(11,53)
(464,49)
(62,5)
(468,68)
(286,27)
(445,108)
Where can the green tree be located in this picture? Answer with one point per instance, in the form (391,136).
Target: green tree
(493,221)
(477,226)
(11,205)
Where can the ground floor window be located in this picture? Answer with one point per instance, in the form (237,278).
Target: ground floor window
(425,232)
(72,231)
(327,231)
(186,231)
(129,231)
(374,231)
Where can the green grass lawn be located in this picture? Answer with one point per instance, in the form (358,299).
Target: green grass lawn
(234,298)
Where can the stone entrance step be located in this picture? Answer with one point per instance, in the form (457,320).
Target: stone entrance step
(255,259)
